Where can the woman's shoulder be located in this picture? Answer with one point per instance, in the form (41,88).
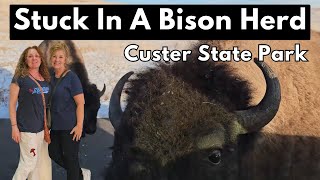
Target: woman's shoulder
(19,78)
(74,80)
(72,74)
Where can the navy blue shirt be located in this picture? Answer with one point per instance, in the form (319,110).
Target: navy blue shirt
(63,106)
(30,113)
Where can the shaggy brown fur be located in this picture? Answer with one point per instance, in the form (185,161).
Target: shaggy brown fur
(183,114)
(169,110)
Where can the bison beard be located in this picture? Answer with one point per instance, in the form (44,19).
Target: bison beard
(183,121)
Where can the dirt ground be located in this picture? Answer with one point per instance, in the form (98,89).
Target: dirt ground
(94,153)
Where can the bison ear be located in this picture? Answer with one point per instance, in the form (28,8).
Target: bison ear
(115,111)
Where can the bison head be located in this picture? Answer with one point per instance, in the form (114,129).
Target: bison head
(176,127)
(92,104)
(91,93)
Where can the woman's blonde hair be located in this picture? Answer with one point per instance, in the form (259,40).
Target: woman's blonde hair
(61,46)
(22,69)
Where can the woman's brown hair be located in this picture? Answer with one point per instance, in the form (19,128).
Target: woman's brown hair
(22,69)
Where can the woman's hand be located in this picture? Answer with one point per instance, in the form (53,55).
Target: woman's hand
(77,133)
(14,93)
(16,134)
(79,99)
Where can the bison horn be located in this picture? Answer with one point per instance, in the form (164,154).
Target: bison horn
(103,90)
(115,111)
(257,117)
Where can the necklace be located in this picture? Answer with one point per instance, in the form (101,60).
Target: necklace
(37,76)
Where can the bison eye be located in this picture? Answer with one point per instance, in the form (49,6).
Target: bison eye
(215,157)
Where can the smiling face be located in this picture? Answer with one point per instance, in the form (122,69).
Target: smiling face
(33,59)
(58,59)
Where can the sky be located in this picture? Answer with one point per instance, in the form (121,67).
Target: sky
(313,3)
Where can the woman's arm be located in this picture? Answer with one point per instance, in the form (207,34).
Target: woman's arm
(14,92)
(77,130)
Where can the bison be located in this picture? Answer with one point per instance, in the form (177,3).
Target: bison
(195,120)
(91,93)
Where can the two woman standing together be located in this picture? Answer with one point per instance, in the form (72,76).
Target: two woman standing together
(30,82)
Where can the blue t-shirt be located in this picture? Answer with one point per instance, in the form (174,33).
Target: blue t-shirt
(30,113)
(63,106)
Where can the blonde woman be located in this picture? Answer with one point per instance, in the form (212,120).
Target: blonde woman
(67,114)
(27,120)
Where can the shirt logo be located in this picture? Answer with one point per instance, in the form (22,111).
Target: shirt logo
(37,90)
